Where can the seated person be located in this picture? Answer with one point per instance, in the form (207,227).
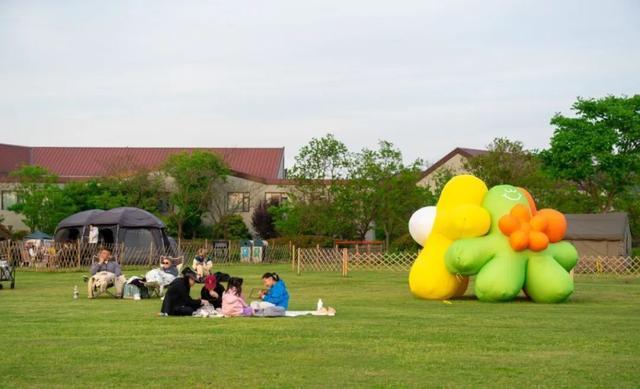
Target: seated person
(168,266)
(104,273)
(201,263)
(232,302)
(275,295)
(212,291)
(177,301)
(164,275)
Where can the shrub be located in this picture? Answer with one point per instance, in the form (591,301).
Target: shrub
(231,227)
(404,243)
(262,221)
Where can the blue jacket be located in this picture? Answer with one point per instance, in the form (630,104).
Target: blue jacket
(278,295)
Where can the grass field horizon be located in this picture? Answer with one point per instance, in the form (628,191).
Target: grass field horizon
(381,336)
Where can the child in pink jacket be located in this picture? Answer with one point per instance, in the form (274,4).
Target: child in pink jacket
(232,302)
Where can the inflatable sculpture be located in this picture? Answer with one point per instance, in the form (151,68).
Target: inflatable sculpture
(503,240)
(458,214)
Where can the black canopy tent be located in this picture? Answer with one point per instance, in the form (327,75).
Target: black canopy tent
(75,226)
(136,229)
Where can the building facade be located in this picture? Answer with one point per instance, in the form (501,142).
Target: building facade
(257,174)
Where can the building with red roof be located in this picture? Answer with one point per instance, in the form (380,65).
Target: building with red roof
(257,174)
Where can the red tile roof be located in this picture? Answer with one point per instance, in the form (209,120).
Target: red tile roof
(79,162)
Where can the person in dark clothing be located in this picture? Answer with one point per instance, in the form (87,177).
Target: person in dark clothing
(212,291)
(177,301)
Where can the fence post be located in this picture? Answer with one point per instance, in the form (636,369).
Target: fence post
(298,257)
(150,254)
(78,253)
(345,262)
(293,257)
(120,250)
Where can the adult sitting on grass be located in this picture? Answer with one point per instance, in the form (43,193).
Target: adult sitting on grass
(201,263)
(104,273)
(212,291)
(177,300)
(276,294)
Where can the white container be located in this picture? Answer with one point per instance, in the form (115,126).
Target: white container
(76,293)
(320,305)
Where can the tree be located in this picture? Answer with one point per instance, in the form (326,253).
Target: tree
(41,200)
(343,194)
(231,227)
(262,220)
(506,162)
(380,189)
(195,176)
(319,168)
(598,149)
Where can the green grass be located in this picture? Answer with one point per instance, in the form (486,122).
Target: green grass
(381,336)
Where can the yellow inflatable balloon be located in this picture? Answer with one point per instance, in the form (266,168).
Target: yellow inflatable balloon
(458,215)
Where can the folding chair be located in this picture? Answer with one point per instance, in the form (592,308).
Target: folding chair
(154,287)
(110,285)
(7,272)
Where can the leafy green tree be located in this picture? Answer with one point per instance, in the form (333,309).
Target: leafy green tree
(231,227)
(196,177)
(380,189)
(598,149)
(319,168)
(506,162)
(41,200)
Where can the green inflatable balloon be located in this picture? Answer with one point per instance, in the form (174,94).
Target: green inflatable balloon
(502,271)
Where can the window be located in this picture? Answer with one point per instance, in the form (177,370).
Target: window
(275,198)
(238,202)
(8,199)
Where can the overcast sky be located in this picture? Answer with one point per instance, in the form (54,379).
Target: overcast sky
(426,75)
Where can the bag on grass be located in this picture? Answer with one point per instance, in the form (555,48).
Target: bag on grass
(270,312)
(130,290)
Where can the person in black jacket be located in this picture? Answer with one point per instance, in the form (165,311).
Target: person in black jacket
(177,301)
(212,291)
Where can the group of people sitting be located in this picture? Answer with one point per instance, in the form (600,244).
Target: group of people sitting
(106,272)
(226,302)
(177,299)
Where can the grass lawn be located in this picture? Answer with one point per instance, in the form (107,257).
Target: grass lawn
(381,336)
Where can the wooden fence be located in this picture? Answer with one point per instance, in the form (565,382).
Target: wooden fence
(344,260)
(59,256)
(62,256)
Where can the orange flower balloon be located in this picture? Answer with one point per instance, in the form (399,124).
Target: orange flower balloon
(532,232)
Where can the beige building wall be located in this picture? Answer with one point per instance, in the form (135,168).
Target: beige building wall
(454,164)
(255,192)
(11,220)
(235,187)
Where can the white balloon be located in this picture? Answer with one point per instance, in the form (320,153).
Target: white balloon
(421,224)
